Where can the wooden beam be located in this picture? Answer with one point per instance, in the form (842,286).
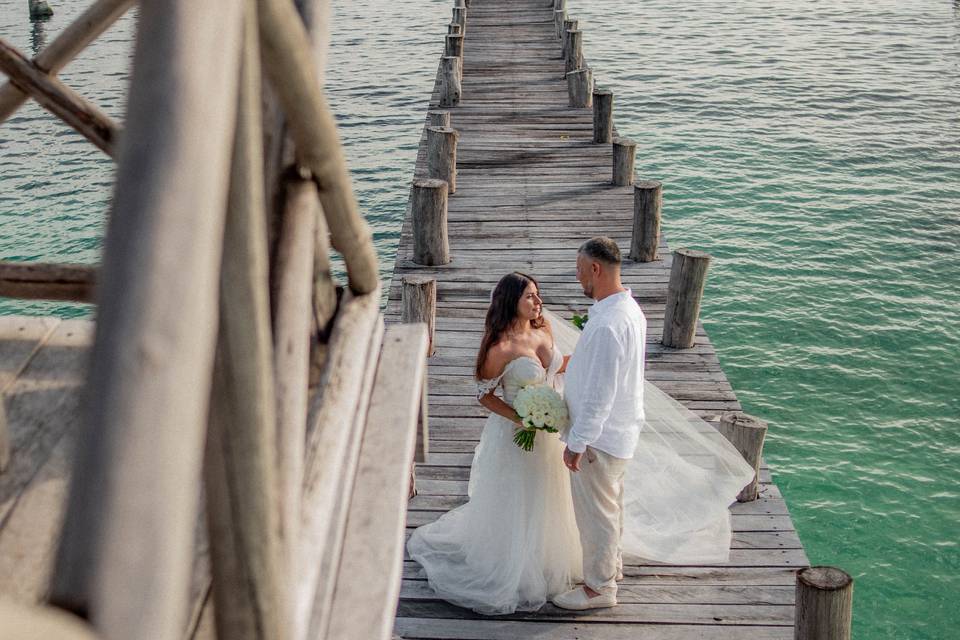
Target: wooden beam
(126,547)
(289,64)
(96,19)
(293,311)
(248,565)
(59,99)
(40,281)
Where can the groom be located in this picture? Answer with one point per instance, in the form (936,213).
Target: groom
(604,392)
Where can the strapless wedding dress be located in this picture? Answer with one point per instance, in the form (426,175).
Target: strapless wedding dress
(514,544)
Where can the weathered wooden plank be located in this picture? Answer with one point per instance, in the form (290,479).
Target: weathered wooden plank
(373,547)
(719,614)
(41,403)
(413,628)
(655,594)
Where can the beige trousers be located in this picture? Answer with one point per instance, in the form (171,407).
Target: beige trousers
(598,505)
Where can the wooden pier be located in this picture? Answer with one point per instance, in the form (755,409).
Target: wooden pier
(225,454)
(531,186)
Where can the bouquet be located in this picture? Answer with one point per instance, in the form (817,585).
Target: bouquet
(541,409)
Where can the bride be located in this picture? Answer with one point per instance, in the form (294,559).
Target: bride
(515,544)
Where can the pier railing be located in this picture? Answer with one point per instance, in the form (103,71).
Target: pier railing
(225,352)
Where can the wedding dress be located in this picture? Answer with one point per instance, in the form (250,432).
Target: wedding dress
(515,543)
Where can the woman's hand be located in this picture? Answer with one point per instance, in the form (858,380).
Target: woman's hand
(563,367)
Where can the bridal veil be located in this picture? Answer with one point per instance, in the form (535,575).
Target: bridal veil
(681,481)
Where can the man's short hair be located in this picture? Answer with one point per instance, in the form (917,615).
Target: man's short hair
(602,249)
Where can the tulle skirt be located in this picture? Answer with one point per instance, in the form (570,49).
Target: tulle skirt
(515,543)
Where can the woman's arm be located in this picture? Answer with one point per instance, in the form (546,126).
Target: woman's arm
(563,367)
(498,406)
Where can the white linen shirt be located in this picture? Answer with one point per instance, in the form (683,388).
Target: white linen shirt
(604,378)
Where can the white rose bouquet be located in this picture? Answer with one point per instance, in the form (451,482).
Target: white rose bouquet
(542,409)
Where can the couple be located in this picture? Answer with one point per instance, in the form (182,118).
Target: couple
(635,472)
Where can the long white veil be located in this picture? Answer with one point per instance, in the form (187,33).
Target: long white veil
(681,481)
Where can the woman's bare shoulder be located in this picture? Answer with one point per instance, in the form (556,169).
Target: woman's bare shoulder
(498,356)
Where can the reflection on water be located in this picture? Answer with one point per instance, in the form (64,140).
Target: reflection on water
(38,35)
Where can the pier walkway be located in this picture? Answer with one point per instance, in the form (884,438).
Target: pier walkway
(531,186)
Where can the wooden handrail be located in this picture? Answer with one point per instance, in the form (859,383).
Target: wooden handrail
(42,281)
(96,19)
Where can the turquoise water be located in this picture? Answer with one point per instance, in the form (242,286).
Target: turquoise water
(813,148)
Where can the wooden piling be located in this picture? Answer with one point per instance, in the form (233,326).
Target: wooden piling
(454,29)
(454,45)
(602,116)
(428,211)
(449,84)
(824,604)
(688,275)
(624,159)
(746,433)
(438,118)
(647,204)
(419,300)
(573,52)
(40,10)
(580,88)
(559,16)
(442,155)
(459,16)
(568,25)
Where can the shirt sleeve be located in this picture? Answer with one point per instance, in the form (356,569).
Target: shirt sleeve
(599,387)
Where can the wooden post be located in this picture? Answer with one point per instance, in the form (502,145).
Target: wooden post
(460,17)
(454,29)
(442,155)
(428,207)
(580,88)
(450,81)
(624,158)
(559,17)
(559,5)
(127,541)
(246,529)
(746,433)
(647,203)
(437,118)
(419,298)
(688,275)
(4,438)
(573,53)
(824,604)
(602,116)
(454,46)
(568,25)
(40,10)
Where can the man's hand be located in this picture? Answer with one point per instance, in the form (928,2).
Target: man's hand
(571,459)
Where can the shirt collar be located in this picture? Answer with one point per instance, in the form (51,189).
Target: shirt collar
(600,307)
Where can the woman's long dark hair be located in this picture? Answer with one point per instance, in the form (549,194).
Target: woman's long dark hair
(502,313)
